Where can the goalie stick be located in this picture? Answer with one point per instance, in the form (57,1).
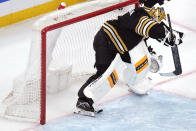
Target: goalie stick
(175,54)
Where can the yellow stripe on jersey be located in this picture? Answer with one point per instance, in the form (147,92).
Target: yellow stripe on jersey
(117,35)
(113,78)
(136,28)
(114,42)
(142,27)
(141,65)
(149,27)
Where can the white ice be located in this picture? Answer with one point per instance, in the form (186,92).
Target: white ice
(14,50)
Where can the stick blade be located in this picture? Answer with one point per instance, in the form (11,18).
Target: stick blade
(170,74)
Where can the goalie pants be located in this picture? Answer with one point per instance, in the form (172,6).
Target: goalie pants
(105,53)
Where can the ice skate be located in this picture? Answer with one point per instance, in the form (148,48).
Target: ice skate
(84,112)
(84,108)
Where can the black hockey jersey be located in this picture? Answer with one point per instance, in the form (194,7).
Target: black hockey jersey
(128,30)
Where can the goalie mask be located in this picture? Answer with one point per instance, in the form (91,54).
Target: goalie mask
(157,14)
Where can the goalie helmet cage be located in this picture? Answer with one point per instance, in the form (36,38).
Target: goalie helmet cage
(42,52)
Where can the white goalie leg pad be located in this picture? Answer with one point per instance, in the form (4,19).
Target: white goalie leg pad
(100,87)
(129,74)
(142,87)
(139,85)
(137,71)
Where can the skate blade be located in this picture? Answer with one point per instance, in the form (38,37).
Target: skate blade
(84,113)
(99,111)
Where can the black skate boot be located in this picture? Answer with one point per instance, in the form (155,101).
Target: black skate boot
(84,108)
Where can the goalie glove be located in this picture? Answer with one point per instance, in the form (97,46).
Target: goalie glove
(176,38)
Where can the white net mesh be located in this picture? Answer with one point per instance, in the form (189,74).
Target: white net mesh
(69,51)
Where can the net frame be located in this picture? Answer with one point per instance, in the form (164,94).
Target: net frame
(44,32)
(45,28)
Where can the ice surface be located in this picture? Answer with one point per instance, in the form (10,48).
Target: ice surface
(156,112)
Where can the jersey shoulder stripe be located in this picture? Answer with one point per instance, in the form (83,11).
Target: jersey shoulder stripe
(144,25)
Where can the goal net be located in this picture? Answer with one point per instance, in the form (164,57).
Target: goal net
(61,49)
